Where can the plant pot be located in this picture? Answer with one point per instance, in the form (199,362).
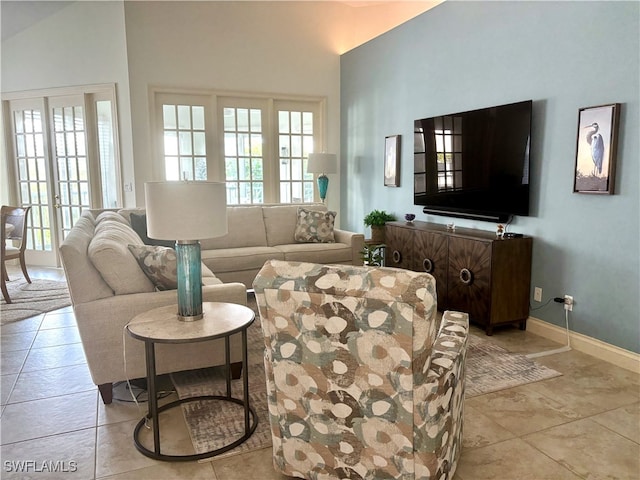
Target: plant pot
(377,233)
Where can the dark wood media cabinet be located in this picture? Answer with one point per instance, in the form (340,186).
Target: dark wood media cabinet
(475,272)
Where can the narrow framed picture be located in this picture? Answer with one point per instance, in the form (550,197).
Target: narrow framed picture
(391,159)
(597,140)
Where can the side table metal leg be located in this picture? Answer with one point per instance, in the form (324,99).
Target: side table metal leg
(227,360)
(245,381)
(151,394)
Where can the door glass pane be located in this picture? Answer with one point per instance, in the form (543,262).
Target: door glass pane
(70,151)
(107,154)
(32,173)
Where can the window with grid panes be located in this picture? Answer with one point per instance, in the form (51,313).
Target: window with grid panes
(243,155)
(263,144)
(448,137)
(185,151)
(295,136)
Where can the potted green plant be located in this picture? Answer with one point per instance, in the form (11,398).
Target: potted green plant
(376,220)
(373,254)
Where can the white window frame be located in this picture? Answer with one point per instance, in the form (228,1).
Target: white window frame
(214,101)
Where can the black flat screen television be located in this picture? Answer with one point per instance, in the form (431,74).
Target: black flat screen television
(474,164)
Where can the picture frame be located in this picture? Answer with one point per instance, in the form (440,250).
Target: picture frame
(596,148)
(391,161)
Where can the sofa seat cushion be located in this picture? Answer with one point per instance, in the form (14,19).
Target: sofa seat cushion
(239,259)
(109,253)
(322,253)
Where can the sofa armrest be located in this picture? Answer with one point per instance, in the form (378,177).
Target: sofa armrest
(356,240)
(101,325)
(125,307)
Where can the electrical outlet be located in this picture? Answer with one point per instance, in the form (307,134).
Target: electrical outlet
(537,294)
(568,302)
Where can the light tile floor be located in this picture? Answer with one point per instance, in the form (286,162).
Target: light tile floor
(582,425)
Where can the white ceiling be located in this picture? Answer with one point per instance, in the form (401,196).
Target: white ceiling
(18,15)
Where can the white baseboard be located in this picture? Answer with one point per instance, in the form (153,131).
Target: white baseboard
(582,343)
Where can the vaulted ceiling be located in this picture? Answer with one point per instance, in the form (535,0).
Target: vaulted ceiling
(377,16)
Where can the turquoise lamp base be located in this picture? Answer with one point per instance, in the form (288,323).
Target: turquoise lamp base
(323,185)
(189,280)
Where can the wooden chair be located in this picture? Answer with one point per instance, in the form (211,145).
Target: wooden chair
(13,228)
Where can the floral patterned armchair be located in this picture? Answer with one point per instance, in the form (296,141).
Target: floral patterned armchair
(363,381)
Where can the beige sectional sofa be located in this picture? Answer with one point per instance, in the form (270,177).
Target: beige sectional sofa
(109,288)
(258,233)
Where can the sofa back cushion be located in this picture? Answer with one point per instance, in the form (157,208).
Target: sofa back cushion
(138,222)
(245,228)
(109,253)
(280,222)
(84,280)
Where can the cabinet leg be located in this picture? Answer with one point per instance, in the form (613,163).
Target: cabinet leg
(523,324)
(236,370)
(489,330)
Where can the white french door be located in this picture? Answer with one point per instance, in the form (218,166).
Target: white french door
(65,160)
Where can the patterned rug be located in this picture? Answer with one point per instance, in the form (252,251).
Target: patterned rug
(31,299)
(489,368)
(213,424)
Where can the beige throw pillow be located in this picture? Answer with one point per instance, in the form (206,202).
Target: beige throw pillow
(314,227)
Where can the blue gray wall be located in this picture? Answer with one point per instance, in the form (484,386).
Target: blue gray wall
(562,55)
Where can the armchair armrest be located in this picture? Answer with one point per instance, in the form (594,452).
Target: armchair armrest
(440,417)
(356,240)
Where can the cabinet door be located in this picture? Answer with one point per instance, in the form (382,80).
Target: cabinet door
(432,256)
(399,242)
(470,278)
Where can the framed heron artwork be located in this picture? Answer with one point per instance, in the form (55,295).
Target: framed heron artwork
(596,149)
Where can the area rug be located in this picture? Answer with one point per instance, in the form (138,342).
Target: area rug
(213,424)
(31,299)
(489,368)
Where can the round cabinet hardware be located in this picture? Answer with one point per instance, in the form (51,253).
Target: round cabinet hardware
(427,265)
(397,256)
(466,276)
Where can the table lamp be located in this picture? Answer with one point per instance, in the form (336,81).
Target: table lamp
(322,163)
(187,211)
